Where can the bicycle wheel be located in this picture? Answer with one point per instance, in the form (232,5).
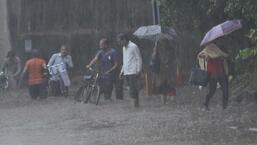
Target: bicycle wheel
(87,94)
(79,94)
(92,94)
(96,94)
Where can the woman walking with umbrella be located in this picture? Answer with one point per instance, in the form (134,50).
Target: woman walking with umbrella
(214,60)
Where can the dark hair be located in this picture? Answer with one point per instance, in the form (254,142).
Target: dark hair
(123,36)
(11,53)
(105,41)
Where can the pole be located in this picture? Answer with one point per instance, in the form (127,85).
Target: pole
(156,12)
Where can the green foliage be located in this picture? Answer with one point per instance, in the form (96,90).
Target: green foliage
(247,53)
(191,16)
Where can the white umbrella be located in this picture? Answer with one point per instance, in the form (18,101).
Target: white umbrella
(155,32)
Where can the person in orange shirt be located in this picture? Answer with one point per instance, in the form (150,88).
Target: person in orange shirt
(35,68)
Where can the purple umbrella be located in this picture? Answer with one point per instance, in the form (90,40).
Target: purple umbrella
(221,30)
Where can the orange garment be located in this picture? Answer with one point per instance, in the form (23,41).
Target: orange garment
(179,77)
(35,71)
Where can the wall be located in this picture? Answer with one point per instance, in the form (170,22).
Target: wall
(77,23)
(4,31)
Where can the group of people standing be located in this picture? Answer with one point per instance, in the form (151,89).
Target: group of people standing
(35,68)
(108,65)
(111,74)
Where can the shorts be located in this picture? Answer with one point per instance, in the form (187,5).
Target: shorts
(38,90)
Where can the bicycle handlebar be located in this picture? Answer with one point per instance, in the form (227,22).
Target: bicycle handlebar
(93,70)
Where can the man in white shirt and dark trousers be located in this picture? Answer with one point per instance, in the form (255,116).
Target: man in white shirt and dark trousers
(132,65)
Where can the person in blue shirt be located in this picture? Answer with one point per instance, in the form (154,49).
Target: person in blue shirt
(107,58)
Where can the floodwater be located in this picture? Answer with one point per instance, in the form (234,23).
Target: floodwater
(60,121)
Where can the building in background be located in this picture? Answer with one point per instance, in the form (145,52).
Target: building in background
(5,44)
(46,24)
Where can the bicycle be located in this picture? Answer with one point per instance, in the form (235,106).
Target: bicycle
(89,90)
(58,79)
(4,84)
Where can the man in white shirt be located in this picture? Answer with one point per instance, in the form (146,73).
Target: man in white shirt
(132,65)
(61,88)
(61,57)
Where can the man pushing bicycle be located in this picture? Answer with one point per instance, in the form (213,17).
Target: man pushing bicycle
(107,58)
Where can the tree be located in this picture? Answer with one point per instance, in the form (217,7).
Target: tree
(193,18)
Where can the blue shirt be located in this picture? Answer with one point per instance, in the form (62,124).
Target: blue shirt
(107,60)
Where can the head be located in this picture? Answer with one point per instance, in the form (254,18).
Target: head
(11,54)
(123,39)
(63,50)
(104,43)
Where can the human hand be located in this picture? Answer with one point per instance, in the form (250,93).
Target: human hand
(107,72)
(88,66)
(230,77)
(120,75)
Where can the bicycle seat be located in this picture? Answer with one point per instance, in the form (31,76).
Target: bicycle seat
(87,77)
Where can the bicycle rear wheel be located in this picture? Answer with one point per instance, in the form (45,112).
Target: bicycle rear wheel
(79,94)
(96,94)
(93,94)
(87,94)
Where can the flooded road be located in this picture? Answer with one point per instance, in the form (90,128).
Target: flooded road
(60,121)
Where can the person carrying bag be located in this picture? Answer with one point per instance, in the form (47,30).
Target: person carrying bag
(199,77)
(217,69)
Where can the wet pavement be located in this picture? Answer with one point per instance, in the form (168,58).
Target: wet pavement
(60,121)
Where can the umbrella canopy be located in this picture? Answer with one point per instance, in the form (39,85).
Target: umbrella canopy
(155,32)
(221,30)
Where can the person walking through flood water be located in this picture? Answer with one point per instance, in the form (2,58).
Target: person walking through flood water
(35,68)
(60,82)
(132,66)
(108,62)
(217,69)
(12,68)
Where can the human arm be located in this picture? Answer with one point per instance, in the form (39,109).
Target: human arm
(122,65)
(113,68)
(92,62)
(69,62)
(18,65)
(121,72)
(4,66)
(23,74)
(138,60)
(51,60)
(44,66)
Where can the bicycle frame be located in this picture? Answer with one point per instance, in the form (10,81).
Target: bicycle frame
(3,81)
(89,88)
(55,76)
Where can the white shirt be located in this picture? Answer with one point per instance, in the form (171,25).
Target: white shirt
(57,58)
(132,60)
